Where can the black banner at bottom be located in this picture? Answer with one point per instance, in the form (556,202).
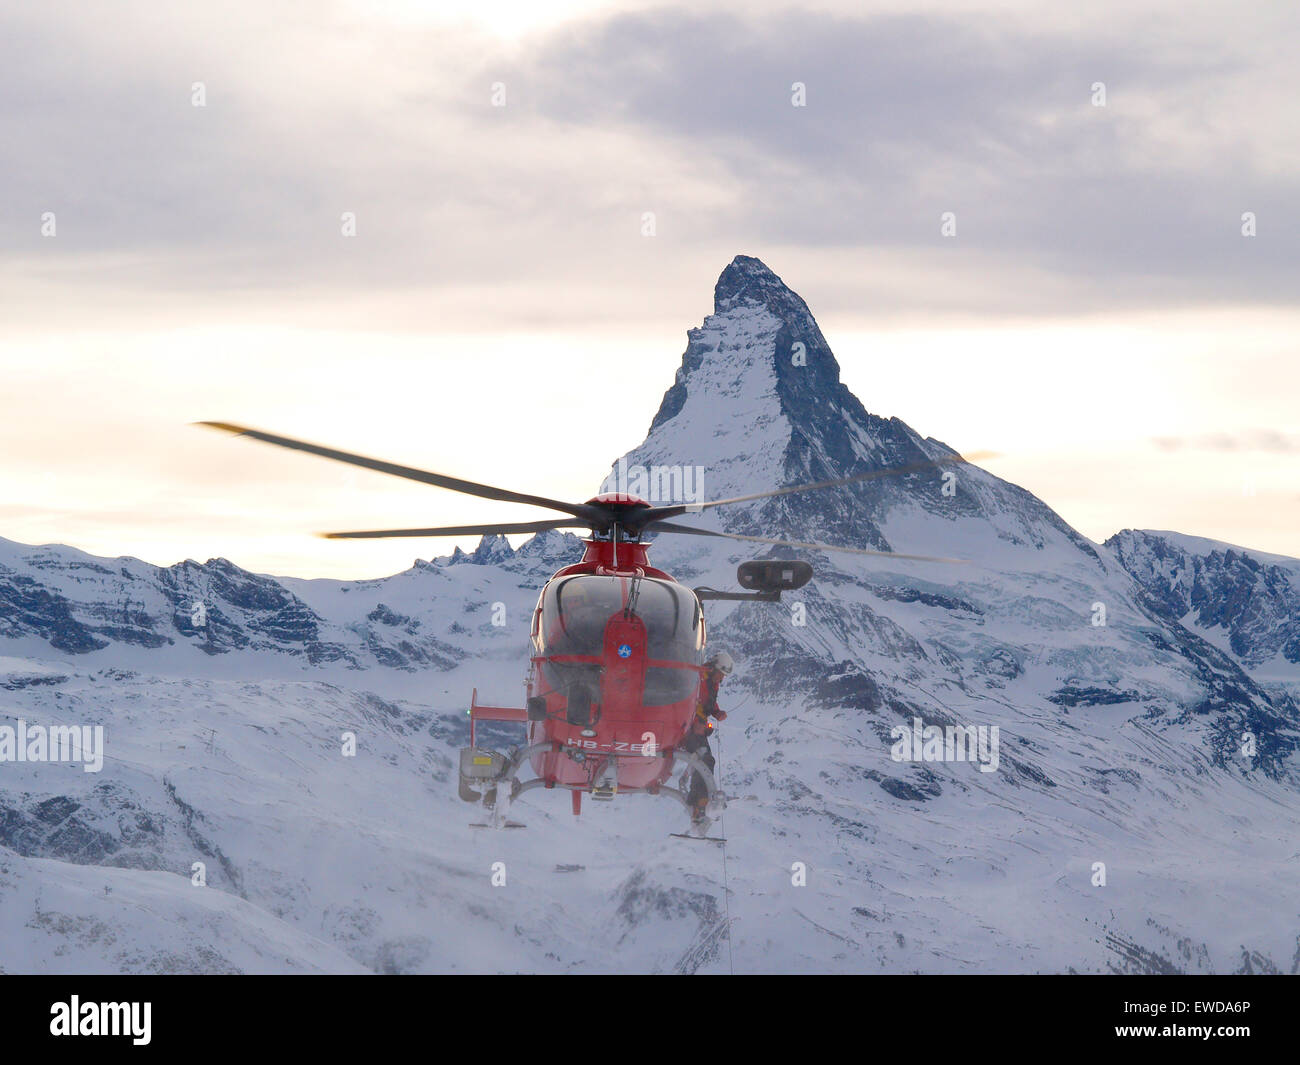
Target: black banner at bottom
(342,1014)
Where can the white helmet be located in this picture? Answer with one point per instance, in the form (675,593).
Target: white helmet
(722,663)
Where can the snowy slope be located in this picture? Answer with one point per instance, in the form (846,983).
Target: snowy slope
(1121,743)
(60,917)
(1245,602)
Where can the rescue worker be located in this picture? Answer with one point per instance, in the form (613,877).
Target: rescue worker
(697,739)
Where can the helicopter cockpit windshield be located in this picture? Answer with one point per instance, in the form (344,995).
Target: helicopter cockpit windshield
(576,609)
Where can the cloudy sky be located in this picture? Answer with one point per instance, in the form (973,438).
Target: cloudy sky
(1099,317)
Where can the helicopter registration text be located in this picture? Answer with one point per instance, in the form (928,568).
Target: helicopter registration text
(618,746)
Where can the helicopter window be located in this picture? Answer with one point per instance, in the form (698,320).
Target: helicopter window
(575,611)
(674,624)
(672,616)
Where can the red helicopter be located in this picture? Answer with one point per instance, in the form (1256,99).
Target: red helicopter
(618,646)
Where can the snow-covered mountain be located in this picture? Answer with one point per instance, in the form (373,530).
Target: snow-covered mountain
(1143,693)
(1245,602)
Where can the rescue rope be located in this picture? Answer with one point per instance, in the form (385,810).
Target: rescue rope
(726,890)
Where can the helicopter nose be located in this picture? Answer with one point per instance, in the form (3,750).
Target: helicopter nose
(623,678)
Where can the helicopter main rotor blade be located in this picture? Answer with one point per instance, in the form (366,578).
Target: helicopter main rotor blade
(461,530)
(455,484)
(672,526)
(673,510)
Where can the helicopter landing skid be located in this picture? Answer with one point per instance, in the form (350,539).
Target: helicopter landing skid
(491,779)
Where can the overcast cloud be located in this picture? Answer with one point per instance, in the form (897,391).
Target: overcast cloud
(1068,205)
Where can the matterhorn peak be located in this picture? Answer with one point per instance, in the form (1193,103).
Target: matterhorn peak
(760,365)
(748,280)
(759,332)
(758,398)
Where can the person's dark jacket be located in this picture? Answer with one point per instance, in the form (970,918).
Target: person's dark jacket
(707,706)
